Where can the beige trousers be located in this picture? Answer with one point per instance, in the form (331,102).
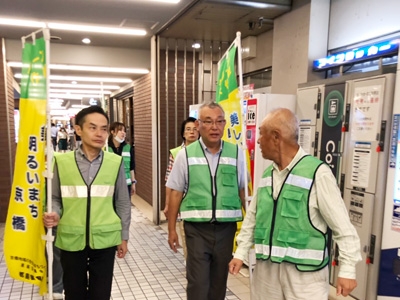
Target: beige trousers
(283,281)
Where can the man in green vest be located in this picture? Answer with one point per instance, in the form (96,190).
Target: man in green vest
(207,183)
(297,200)
(91,208)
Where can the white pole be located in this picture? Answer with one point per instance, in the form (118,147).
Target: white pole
(244,145)
(49,173)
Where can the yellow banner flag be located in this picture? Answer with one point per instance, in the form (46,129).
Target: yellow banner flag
(24,248)
(228,97)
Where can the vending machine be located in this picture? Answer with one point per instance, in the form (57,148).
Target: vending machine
(321,110)
(389,270)
(367,150)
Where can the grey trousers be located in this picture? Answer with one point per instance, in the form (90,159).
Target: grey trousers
(209,251)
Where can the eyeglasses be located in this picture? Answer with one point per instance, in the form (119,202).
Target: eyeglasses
(189,129)
(209,123)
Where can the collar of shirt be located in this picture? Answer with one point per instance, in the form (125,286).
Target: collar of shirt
(205,147)
(300,153)
(82,155)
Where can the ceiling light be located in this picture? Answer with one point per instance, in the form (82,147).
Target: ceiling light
(79,91)
(22,23)
(16,64)
(98,69)
(263,4)
(79,106)
(73,27)
(56,100)
(196,45)
(98,29)
(73,96)
(83,78)
(86,41)
(167,1)
(85,86)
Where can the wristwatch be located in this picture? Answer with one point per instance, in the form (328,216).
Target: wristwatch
(134,181)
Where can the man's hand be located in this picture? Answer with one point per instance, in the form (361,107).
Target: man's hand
(345,286)
(235,265)
(122,249)
(173,240)
(51,219)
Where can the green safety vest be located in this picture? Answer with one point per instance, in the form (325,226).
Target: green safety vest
(200,204)
(174,151)
(283,230)
(88,217)
(126,158)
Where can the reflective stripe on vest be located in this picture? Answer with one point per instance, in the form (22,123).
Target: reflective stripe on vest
(290,252)
(285,222)
(81,191)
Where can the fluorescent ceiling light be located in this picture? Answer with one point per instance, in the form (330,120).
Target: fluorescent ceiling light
(73,27)
(85,86)
(167,1)
(80,91)
(99,69)
(84,78)
(16,64)
(73,96)
(79,106)
(56,100)
(98,29)
(22,23)
(90,79)
(56,106)
(255,3)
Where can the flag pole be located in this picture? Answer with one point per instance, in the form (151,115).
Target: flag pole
(244,145)
(49,170)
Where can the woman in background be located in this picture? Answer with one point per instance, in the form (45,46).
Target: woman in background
(189,135)
(62,137)
(117,144)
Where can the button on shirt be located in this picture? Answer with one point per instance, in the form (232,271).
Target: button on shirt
(326,209)
(88,171)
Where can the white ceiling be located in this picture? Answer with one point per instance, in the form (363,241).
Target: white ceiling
(213,20)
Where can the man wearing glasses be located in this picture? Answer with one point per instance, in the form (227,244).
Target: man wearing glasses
(207,183)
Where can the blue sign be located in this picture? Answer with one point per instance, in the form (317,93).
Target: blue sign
(357,55)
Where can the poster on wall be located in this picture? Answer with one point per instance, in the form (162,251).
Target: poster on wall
(366,106)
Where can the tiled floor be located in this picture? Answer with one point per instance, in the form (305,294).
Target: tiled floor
(149,271)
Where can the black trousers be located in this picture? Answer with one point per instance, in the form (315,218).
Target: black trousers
(209,251)
(54,142)
(88,273)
